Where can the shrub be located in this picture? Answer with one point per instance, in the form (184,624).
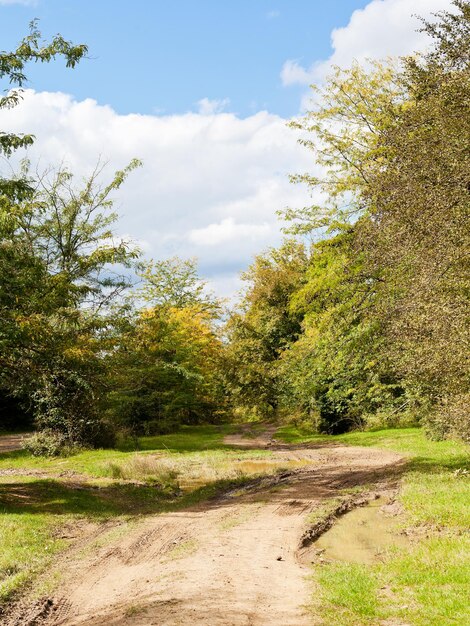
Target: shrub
(450,419)
(49,442)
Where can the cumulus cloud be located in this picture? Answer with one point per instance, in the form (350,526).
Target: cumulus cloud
(382,28)
(210,184)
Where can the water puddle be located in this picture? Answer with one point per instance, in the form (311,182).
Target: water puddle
(361,536)
(242,467)
(254,467)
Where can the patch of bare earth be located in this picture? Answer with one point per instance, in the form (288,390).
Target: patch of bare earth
(231,561)
(9,443)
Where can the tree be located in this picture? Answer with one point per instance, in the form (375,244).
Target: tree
(419,236)
(166,370)
(264,327)
(392,146)
(331,374)
(167,357)
(12,68)
(23,283)
(55,302)
(343,130)
(175,282)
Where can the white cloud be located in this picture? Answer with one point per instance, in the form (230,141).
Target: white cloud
(272,15)
(382,28)
(212,107)
(210,185)
(293,73)
(227,230)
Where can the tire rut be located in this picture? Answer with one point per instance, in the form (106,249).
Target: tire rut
(232,561)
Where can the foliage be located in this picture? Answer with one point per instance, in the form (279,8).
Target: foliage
(381,303)
(351,112)
(262,328)
(167,358)
(48,442)
(331,372)
(175,282)
(418,238)
(58,260)
(12,68)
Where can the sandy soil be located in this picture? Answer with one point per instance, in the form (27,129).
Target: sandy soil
(233,561)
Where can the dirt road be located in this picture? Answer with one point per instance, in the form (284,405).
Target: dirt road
(8,443)
(233,561)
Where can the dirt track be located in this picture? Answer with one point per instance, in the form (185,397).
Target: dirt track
(233,561)
(8,443)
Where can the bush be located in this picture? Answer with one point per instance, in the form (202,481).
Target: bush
(100,434)
(391,418)
(127,440)
(50,443)
(450,419)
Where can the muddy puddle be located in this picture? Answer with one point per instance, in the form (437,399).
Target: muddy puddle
(249,468)
(266,466)
(362,536)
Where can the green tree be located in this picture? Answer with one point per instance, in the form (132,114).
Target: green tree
(167,357)
(12,70)
(55,308)
(175,282)
(392,144)
(418,239)
(263,327)
(22,274)
(332,374)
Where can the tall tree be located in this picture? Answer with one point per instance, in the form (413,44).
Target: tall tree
(55,309)
(22,282)
(168,354)
(419,237)
(264,327)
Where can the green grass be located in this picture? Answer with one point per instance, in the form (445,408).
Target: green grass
(430,582)
(189,439)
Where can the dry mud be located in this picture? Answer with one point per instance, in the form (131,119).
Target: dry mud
(232,561)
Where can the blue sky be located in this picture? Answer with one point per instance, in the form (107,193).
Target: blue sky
(202,91)
(164,56)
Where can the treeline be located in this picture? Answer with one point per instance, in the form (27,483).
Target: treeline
(359,319)
(369,324)
(93,341)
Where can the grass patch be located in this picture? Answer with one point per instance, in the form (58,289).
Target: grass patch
(429,583)
(348,592)
(189,439)
(27,546)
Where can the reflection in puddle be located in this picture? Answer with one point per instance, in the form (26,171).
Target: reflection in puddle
(360,536)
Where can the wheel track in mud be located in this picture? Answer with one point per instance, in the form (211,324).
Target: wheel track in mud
(227,562)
